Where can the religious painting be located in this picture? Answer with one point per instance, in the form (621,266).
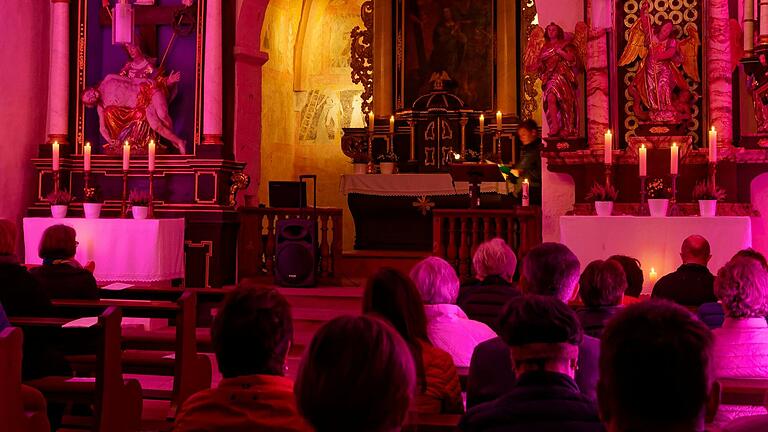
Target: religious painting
(144,91)
(452,36)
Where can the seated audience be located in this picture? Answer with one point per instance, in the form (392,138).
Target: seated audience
(601,288)
(61,276)
(390,295)
(20,294)
(549,269)
(741,345)
(655,370)
(634,274)
(691,284)
(544,336)
(448,326)
(357,375)
(494,265)
(251,335)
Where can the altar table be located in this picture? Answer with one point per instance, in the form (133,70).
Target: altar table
(128,250)
(655,241)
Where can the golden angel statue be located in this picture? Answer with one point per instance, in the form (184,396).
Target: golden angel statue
(557,58)
(660,91)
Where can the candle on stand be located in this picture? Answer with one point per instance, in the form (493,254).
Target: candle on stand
(151,155)
(482,124)
(391,124)
(674,159)
(87,157)
(499,120)
(713,145)
(55,155)
(526,196)
(643,156)
(608,156)
(371,119)
(126,156)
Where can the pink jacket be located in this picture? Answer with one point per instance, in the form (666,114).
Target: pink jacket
(450,330)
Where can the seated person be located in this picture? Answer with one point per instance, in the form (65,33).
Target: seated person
(691,284)
(549,269)
(448,326)
(251,335)
(601,287)
(741,345)
(634,274)
(655,370)
(544,336)
(391,296)
(20,294)
(357,375)
(61,276)
(494,265)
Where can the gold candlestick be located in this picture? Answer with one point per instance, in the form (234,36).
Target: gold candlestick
(124,202)
(412,125)
(463,123)
(151,209)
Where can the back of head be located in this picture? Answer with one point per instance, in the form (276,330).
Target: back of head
(494,258)
(742,287)
(391,295)
(436,280)
(755,255)
(695,249)
(252,333)
(58,243)
(633,272)
(551,269)
(7,237)
(357,375)
(602,283)
(529,125)
(655,368)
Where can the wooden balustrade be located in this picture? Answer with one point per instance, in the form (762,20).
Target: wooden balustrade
(457,233)
(258,240)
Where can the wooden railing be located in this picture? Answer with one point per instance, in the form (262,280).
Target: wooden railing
(457,233)
(258,240)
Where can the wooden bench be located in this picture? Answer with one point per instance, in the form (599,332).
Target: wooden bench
(22,408)
(117,402)
(432,422)
(743,391)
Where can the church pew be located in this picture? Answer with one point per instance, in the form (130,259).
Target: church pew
(191,372)
(22,408)
(431,422)
(117,402)
(208,299)
(743,391)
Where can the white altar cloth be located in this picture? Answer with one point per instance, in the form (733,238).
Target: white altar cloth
(131,250)
(655,241)
(410,185)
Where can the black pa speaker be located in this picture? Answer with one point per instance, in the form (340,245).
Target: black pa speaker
(295,253)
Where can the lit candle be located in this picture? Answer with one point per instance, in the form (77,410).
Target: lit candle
(55,155)
(526,196)
(391,124)
(713,145)
(652,276)
(643,154)
(674,156)
(87,156)
(608,157)
(126,156)
(371,119)
(482,124)
(499,120)
(151,155)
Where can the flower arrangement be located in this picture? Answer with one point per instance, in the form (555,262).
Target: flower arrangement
(61,197)
(471,156)
(357,150)
(705,190)
(389,156)
(139,198)
(657,190)
(92,195)
(600,192)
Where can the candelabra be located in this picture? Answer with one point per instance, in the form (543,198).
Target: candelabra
(482,146)
(608,175)
(56,180)
(497,147)
(712,168)
(369,170)
(643,202)
(151,209)
(674,210)
(124,202)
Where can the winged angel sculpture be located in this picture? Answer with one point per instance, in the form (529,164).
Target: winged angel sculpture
(659,89)
(557,58)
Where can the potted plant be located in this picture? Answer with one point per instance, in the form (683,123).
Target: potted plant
(59,202)
(471,156)
(92,203)
(658,197)
(387,162)
(603,196)
(708,195)
(360,163)
(139,203)
(357,150)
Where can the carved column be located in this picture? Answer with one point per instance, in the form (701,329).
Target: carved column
(382,57)
(212,75)
(506,62)
(58,73)
(719,70)
(763,22)
(749,26)
(598,98)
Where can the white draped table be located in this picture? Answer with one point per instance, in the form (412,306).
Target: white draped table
(655,241)
(129,250)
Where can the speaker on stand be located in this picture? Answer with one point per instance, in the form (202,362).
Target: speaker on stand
(296,254)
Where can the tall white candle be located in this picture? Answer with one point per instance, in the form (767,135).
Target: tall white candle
(482,124)
(87,156)
(674,158)
(126,156)
(55,155)
(526,195)
(608,156)
(713,145)
(151,155)
(499,120)
(643,156)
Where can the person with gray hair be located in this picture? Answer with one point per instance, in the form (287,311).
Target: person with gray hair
(741,344)
(482,298)
(448,327)
(691,284)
